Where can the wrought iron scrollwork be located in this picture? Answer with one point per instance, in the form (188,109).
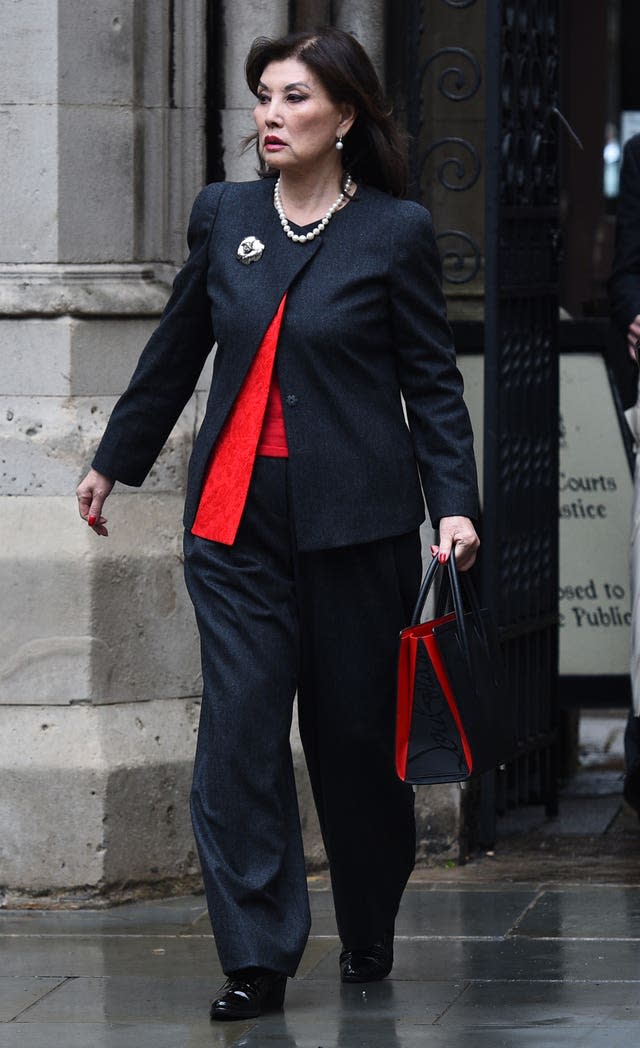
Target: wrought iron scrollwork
(529,85)
(440,84)
(459,266)
(456,82)
(454,165)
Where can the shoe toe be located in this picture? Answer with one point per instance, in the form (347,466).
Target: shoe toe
(367,965)
(247,996)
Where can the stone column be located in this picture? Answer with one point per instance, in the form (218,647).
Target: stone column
(365,19)
(307,14)
(101,153)
(244,20)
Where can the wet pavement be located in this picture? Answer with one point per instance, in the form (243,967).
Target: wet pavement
(537,944)
(484,964)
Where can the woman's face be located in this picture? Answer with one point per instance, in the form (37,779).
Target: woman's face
(297,121)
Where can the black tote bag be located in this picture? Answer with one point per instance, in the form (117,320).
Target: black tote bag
(453,717)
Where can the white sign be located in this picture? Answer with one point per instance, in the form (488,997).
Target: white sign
(595,515)
(596,492)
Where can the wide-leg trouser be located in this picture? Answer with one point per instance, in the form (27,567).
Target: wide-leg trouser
(272,621)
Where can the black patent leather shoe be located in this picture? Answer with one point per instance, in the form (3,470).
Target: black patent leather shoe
(369,964)
(250,993)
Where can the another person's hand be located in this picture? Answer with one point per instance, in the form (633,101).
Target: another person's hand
(458,532)
(633,336)
(91,494)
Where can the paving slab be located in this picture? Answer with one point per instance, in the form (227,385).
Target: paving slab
(442,912)
(74,956)
(18,994)
(603,912)
(544,1003)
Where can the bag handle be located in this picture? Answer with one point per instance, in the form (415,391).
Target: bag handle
(458,606)
(424,590)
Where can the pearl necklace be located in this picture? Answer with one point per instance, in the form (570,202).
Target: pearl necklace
(301,238)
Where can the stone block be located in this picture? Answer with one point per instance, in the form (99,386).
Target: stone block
(151,43)
(95,52)
(42,440)
(47,442)
(35,356)
(64,356)
(29,174)
(439,824)
(93,799)
(29,67)
(96,183)
(104,353)
(92,620)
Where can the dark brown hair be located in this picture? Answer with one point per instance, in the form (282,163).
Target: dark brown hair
(374,149)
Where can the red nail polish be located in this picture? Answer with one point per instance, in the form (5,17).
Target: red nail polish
(92,521)
(442,557)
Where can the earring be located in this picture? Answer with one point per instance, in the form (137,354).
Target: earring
(339,143)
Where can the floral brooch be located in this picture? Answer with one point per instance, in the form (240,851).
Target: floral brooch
(250,250)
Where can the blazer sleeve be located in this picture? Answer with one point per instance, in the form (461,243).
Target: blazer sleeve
(624,283)
(429,378)
(170,364)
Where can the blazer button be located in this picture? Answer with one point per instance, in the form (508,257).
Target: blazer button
(292,400)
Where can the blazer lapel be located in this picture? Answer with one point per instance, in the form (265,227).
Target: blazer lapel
(255,289)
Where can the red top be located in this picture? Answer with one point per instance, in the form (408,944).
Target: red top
(226,483)
(273,438)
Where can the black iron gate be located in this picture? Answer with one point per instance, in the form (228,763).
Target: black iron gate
(478,84)
(520,567)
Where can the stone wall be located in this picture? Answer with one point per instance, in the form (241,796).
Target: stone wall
(101,153)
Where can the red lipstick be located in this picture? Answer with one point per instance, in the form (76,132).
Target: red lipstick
(272,142)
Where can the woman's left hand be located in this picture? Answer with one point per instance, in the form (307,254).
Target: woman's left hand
(458,532)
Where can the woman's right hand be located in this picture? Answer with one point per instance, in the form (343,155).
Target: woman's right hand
(91,494)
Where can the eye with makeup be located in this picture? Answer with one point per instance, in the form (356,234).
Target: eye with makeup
(264,99)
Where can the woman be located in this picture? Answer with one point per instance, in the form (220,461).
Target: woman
(624,292)
(303,503)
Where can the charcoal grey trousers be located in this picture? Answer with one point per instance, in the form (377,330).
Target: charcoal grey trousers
(274,621)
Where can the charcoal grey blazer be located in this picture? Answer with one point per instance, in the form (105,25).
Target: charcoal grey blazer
(624,283)
(365,319)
